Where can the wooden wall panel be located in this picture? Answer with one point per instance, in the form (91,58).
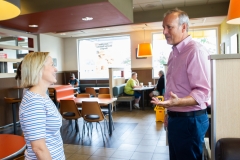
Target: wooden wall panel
(144,75)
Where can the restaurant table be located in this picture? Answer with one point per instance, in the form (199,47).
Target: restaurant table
(14,102)
(142,90)
(101,101)
(11,145)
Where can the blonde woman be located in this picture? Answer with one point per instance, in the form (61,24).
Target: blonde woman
(128,89)
(39,117)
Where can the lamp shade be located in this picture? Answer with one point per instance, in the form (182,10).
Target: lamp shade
(9,9)
(233,12)
(144,50)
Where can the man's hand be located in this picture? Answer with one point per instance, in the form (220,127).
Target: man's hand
(173,101)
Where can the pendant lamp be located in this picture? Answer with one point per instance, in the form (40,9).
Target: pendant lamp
(9,9)
(144,49)
(233,12)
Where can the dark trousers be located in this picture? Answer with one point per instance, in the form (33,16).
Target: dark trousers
(186,137)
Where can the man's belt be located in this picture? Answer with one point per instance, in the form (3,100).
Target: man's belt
(186,114)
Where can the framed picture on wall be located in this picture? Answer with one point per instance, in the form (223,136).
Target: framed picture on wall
(222,47)
(55,62)
(139,57)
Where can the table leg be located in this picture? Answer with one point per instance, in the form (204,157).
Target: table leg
(143,99)
(76,125)
(14,117)
(109,118)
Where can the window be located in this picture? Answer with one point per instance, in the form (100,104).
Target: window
(161,50)
(98,54)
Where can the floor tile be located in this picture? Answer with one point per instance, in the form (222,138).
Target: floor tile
(127,147)
(141,156)
(122,154)
(104,152)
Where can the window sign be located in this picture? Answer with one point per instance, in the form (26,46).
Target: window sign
(97,55)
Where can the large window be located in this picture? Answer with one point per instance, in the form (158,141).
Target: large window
(161,50)
(98,54)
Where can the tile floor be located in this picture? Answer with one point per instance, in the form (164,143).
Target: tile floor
(136,136)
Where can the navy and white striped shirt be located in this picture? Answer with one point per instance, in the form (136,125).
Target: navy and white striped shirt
(40,119)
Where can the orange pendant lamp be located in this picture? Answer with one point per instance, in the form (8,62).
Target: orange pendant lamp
(144,49)
(233,12)
(9,9)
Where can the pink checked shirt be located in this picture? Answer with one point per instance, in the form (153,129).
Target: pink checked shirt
(189,74)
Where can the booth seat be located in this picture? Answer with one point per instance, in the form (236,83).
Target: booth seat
(118,93)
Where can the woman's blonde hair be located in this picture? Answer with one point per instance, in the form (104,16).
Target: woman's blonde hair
(32,66)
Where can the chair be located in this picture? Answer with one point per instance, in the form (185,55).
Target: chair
(103,91)
(91,112)
(14,102)
(91,91)
(83,95)
(69,111)
(105,110)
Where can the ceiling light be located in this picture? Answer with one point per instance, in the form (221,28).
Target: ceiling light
(33,25)
(62,34)
(144,49)
(106,29)
(87,18)
(9,9)
(233,16)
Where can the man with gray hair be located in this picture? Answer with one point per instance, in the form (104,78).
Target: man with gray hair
(187,89)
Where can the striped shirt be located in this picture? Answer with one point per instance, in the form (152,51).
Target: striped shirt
(40,119)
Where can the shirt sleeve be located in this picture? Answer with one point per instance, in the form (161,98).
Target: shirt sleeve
(34,119)
(198,71)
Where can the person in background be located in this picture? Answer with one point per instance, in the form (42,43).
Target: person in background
(128,89)
(39,117)
(74,82)
(187,89)
(160,85)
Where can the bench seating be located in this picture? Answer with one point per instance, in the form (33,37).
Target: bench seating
(118,93)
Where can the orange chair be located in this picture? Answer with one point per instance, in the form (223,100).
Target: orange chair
(91,91)
(69,111)
(103,91)
(105,110)
(83,95)
(91,112)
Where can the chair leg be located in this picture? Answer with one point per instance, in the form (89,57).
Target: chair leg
(76,123)
(101,132)
(83,132)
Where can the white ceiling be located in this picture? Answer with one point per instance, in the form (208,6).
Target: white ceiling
(145,5)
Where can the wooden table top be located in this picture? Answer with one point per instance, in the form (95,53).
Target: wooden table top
(11,145)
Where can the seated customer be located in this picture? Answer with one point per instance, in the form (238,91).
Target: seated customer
(130,85)
(160,85)
(74,82)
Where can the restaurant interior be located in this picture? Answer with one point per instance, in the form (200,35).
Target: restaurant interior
(57,26)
